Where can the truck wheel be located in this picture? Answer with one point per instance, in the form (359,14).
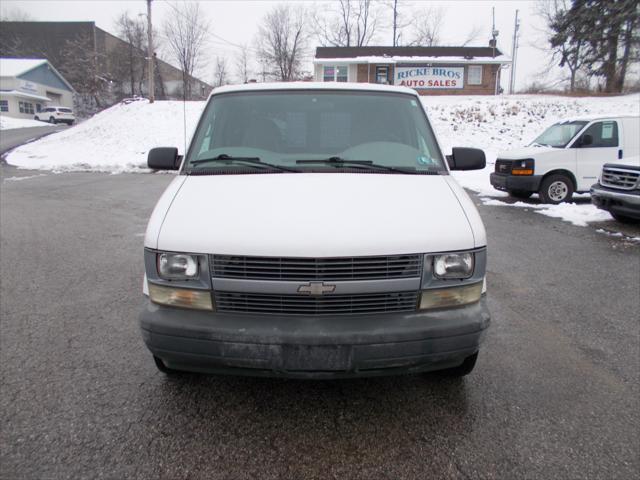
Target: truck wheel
(163,368)
(556,189)
(520,194)
(461,370)
(624,218)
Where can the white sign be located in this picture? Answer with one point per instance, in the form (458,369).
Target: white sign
(26,86)
(429,77)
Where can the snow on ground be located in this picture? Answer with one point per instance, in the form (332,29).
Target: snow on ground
(115,140)
(9,123)
(118,139)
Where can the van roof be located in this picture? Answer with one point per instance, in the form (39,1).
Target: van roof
(599,116)
(344,86)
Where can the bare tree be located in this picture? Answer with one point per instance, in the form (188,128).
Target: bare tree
(186,33)
(353,23)
(84,69)
(281,41)
(15,14)
(220,72)
(427,25)
(133,59)
(472,36)
(242,64)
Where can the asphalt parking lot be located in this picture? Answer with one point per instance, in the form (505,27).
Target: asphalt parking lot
(555,393)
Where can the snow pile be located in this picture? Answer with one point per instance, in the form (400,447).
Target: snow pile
(579,214)
(115,140)
(9,123)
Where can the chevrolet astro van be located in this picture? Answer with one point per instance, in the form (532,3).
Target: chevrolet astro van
(314,231)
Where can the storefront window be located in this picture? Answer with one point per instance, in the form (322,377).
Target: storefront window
(328,73)
(382,75)
(25,107)
(4,105)
(331,73)
(474,75)
(341,73)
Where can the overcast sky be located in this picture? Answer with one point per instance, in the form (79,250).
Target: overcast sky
(236,21)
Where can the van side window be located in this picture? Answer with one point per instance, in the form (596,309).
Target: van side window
(604,134)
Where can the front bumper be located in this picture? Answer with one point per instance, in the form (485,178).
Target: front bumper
(625,203)
(314,346)
(525,183)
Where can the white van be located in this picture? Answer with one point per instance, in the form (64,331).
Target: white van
(314,231)
(567,157)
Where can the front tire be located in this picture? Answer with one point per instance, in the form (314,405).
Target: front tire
(36,118)
(520,194)
(461,370)
(556,189)
(52,120)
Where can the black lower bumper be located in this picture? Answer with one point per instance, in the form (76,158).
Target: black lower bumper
(507,183)
(626,203)
(314,347)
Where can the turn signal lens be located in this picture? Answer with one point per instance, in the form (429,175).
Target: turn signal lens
(450,297)
(180,297)
(523,167)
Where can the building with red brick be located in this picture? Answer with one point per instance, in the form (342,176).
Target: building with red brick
(429,70)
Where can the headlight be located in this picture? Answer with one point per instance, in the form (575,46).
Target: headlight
(522,167)
(453,265)
(177,266)
(181,297)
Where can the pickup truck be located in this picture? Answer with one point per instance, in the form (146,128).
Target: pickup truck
(618,190)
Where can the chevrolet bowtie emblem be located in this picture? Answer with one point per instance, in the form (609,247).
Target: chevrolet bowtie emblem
(316,288)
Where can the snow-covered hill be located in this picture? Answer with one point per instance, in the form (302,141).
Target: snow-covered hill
(115,140)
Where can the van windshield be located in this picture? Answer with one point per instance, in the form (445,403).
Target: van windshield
(560,134)
(300,130)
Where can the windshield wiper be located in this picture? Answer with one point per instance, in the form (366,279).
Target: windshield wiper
(251,161)
(363,164)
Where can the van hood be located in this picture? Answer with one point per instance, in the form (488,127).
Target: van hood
(526,152)
(317,215)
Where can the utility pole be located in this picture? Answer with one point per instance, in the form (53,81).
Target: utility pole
(514,54)
(150,53)
(395,21)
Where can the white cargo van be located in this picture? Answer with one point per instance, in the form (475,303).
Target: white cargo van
(314,231)
(567,157)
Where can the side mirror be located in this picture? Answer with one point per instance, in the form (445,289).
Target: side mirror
(164,158)
(466,159)
(586,140)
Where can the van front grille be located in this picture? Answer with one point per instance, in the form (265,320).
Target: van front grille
(622,178)
(319,305)
(316,269)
